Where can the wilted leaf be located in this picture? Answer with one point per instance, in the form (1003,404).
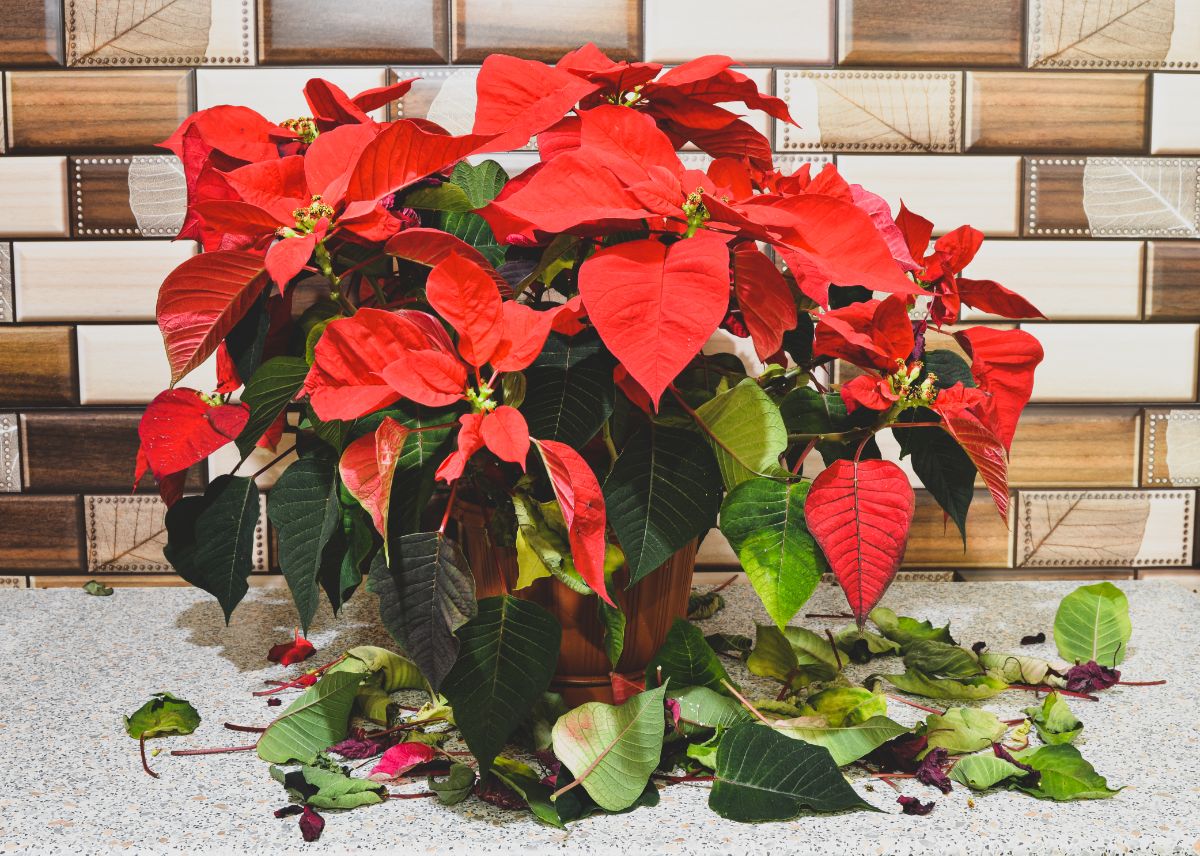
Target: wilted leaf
(1054,721)
(163,714)
(98,589)
(963,729)
(686,660)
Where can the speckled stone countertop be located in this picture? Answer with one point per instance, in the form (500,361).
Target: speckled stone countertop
(71,782)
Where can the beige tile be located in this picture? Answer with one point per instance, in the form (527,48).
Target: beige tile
(930,32)
(1071,446)
(1189,577)
(127,364)
(752,31)
(1067,280)
(871,111)
(934,542)
(278,93)
(1116,362)
(1009,575)
(1105,35)
(121,283)
(981,191)
(1119,528)
(1171,449)
(33,197)
(203,32)
(1175,119)
(10,454)
(11,582)
(126,535)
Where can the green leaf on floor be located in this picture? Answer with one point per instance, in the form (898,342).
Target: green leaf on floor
(940,659)
(1092,623)
(918,683)
(704,605)
(793,656)
(847,743)
(1054,721)
(456,787)
(322,788)
(962,729)
(96,588)
(315,721)
(845,705)
(904,631)
(164,714)
(1020,669)
(686,660)
(701,708)
(985,770)
(1065,774)
(528,784)
(862,645)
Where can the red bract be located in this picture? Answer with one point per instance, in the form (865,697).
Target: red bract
(180,428)
(401,758)
(368,465)
(1003,362)
(578,494)
(873,334)
(967,418)
(296,651)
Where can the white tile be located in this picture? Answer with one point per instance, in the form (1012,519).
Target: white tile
(1116,362)
(33,197)
(443,95)
(514,163)
(1067,280)
(1175,116)
(278,93)
(127,364)
(983,192)
(225,460)
(752,31)
(92,280)
(6,285)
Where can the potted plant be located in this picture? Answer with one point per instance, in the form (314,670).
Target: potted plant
(499,389)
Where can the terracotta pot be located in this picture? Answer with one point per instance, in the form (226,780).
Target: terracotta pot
(650,608)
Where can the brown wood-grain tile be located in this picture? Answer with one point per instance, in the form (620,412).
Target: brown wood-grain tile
(37,366)
(41,533)
(930,32)
(1054,197)
(1173,281)
(127,196)
(333,32)
(31,32)
(933,542)
(546,29)
(1076,447)
(1064,112)
(95,111)
(85,450)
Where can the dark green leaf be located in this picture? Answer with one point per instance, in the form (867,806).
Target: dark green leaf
(475,231)
(949,367)
(528,784)
(569,389)
(303,506)
(163,714)
(704,605)
(941,660)
(322,788)
(456,787)
(267,394)
(444,197)
(806,411)
(248,338)
(944,468)
(686,661)
(730,643)
(481,183)
(614,631)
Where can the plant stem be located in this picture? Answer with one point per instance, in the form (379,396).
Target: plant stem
(832,644)
(418,795)
(677,780)
(726,584)
(287,685)
(804,454)
(252,729)
(1047,690)
(745,703)
(828,615)
(606,431)
(215,750)
(449,505)
(145,763)
(903,700)
(1140,683)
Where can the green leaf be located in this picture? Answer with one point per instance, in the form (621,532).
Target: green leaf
(949,367)
(862,645)
(610,750)
(97,589)
(506,660)
(663,491)
(444,197)
(1020,669)
(847,743)
(456,787)
(569,389)
(940,659)
(918,683)
(701,708)
(474,230)
(394,672)
(982,771)
(794,656)
(577,804)
(323,788)
(413,480)
(480,182)
(1054,721)
(704,605)
(845,705)
(963,729)
(806,411)
(543,548)
(730,643)
(267,394)
(163,714)
(705,753)
(746,433)
(764,522)
(944,468)
(1065,774)
(1092,623)
(314,721)
(686,660)
(762,775)
(614,631)
(426,593)
(522,779)
(210,539)
(904,631)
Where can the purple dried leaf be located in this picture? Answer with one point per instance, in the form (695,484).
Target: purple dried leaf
(311,824)
(1090,676)
(932,770)
(289,810)
(912,805)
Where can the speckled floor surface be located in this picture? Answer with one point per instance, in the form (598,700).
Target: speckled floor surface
(70,780)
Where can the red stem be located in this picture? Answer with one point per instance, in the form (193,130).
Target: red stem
(145,763)
(726,584)
(252,729)
(449,505)
(1047,690)
(215,750)
(800,460)
(295,683)
(903,700)
(1141,683)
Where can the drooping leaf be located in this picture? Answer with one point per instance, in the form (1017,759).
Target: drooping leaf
(860,512)
(686,660)
(164,714)
(267,393)
(456,787)
(1054,721)
(846,743)
(845,705)
(314,721)
(982,771)
(182,427)
(794,656)
(1092,623)
(762,775)
(704,605)
(611,750)
(939,659)
(569,389)
(963,729)
(98,589)
(1019,669)
(614,622)
(528,784)
(332,789)
(944,469)
(764,522)
(904,631)
(1065,775)
(746,432)
(210,539)
(507,656)
(986,451)
(862,645)
(663,491)
(426,593)
(304,509)
(982,686)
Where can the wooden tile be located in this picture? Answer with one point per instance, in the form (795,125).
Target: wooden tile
(1076,447)
(1171,449)
(1132,528)
(127,197)
(97,111)
(126,364)
(1011,575)
(137,581)
(871,111)
(37,365)
(121,283)
(1189,577)
(31,32)
(442,95)
(7,312)
(33,197)
(1088,34)
(676,32)
(304,32)
(1067,280)
(1175,121)
(80,450)
(929,32)
(40,533)
(1113,197)
(10,454)
(116,33)
(126,535)
(935,543)
(949,190)
(1173,281)
(545,29)
(1099,362)
(278,93)
(1041,112)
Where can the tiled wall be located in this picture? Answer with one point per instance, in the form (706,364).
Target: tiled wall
(1068,130)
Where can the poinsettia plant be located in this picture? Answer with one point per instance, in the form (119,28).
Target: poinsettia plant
(435,335)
